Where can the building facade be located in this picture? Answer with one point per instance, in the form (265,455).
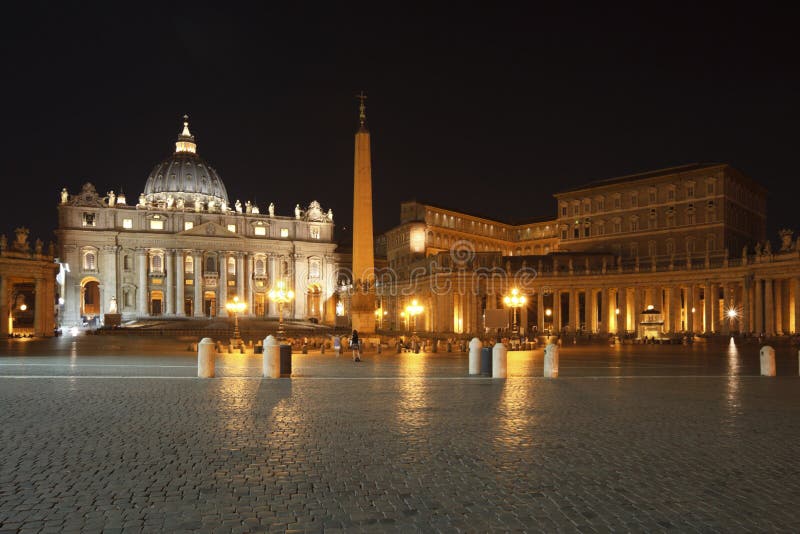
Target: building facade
(27,287)
(674,251)
(183,250)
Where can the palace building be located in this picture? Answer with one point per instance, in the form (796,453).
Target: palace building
(670,251)
(184,250)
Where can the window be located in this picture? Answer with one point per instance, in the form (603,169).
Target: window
(232,228)
(690,191)
(563,211)
(156,264)
(314,231)
(564,233)
(127,300)
(89,261)
(232,266)
(617,227)
(634,200)
(188,225)
(284,232)
(634,225)
(652,196)
(89,219)
(211,265)
(127,223)
(710,243)
(259,267)
(587,227)
(634,250)
(156,224)
(126,262)
(600,228)
(587,206)
(670,247)
(576,233)
(690,218)
(601,204)
(690,241)
(261,230)
(188,265)
(617,202)
(314,269)
(651,248)
(710,188)
(653,219)
(670,194)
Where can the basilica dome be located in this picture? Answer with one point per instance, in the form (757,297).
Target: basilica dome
(184,178)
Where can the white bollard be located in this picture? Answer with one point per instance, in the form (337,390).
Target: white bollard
(499,361)
(205,358)
(767,361)
(271,367)
(475,347)
(551,361)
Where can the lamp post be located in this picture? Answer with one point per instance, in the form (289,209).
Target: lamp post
(281,295)
(412,310)
(514,301)
(235,307)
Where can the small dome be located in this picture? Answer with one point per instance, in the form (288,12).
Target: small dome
(184,176)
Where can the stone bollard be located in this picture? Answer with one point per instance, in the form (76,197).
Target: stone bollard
(475,347)
(322,348)
(435,345)
(551,361)
(205,358)
(379,348)
(304,349)
(767,361)
(449,347)
(271,366)
(499,361)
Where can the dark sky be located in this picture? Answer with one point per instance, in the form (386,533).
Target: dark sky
(488,111)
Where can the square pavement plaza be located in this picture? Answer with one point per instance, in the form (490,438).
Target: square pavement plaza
(117,434)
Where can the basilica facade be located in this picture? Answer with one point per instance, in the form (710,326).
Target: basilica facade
(182,249)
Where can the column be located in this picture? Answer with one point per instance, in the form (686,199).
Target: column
(4,306)
(222,292)
(638,297)
(690,304)
(180,311)
(557,311)
(590,310)
(676,324)
(778,288)
(198,283)
(40,309)
(241,288)
(606,311)
(141,291)
(248,280)
(725,326)
(744,323)
(169,276)
(769,308)
(759,300)
(108,270)
(622,318)
(795,324)
(539,311)
(575,310)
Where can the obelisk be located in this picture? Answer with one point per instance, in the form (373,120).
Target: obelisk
(362,303)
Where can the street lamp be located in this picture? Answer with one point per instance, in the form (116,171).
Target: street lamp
(514,301)
(281,295)
(412,310)
(235,307)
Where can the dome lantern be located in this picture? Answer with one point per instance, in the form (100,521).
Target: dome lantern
(185,142)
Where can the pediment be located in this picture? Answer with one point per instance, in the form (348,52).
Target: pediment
(209,229)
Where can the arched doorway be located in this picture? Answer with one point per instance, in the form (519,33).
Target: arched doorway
(90,298)
(210,304)
(313,297)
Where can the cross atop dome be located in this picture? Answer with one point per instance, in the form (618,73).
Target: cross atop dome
(185,141)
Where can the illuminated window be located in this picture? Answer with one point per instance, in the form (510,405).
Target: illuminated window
(127,223)
(156,224)
(156,264)
(89,261)
(188,265)
(261,230)
(232,228)
(188,225)
(314,231)
(259,267)
(89,219)
(284,232)
(232,266)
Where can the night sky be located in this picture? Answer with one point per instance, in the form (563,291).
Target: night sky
(487,111)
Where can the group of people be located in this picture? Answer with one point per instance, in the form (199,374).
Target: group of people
(355,346)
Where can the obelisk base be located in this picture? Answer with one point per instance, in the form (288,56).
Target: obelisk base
(362,312)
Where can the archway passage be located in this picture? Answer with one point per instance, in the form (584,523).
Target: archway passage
(90,304)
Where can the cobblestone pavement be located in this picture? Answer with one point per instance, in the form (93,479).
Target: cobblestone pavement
(669,441)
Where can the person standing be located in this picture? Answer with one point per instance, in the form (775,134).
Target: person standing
(337,345)
(355,344)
